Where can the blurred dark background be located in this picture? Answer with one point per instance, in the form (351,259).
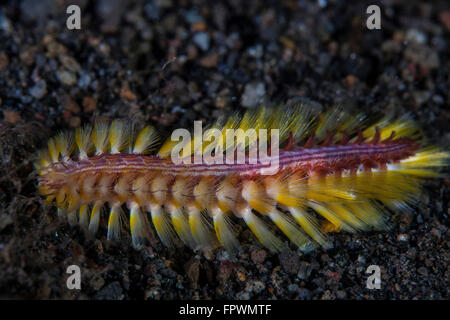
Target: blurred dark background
(167,63)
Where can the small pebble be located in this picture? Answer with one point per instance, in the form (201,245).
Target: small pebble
(241,276)
(340,294)
(112,291)
(126,93)
(253,94)
(201,39)
(423,271)
(258,256)
(4,61)
(70,63)
(292,288)
(69,104)
(12,116)
(97,282)
(435,232)
(290,261)
(89,104)
(305,271)
(39,90)
(210,61)
(304,294)
(74,122)
(444,17)
(66,77)
(84,80)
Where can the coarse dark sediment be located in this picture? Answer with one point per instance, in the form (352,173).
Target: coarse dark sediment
(167,64)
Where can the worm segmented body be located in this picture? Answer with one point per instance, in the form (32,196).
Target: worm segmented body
(330,176)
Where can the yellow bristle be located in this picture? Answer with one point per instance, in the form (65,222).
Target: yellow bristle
(231,123)
(142,190)
(345,214)
(321,189)
(261,231)
(329,227)
(118,136)
(72,197)
(423,163)
(146,140)
(166,149)
(122,187)
(310,225)
(295,120)
(100,137)
(44,159)
(373,185)
(427,158)
(331,216)
(185,147)
(52,150)
(61,196)
(83,141)
(291,230)
(226,193)
(224,231)
(337,120)
(181,225)
(163,227)
(256,197)
(83,215)
(213,140)
(114,223)
(45,190)
(240,140)
(95,217)
(190,146)
(280,192)
(137,225)
(247,132)
(64,145)
(180,189)
(72,217)
(159,188)
(403,127)
(202,193)
(372,214)
(201,229)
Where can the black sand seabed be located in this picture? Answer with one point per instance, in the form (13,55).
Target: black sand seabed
(168,63)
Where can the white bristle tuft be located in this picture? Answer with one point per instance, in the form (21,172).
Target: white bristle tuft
(114,224)
(52,150)
(118,136)
(100,137)
(83,141)
(146,140)
(64,145)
